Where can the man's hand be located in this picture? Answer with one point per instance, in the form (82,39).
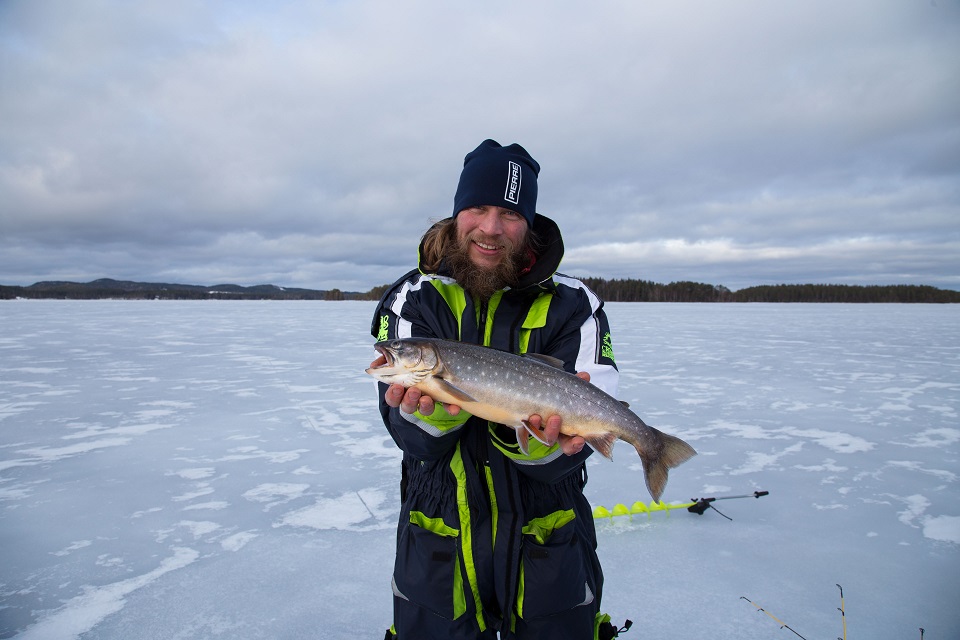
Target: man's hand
(412,399)
(550,431)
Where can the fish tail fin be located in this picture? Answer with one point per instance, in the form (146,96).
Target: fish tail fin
(603,443)
(655,470)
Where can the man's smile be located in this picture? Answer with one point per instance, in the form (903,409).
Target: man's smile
(487,246)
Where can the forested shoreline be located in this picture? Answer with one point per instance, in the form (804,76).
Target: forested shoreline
(616,290)
(646,291)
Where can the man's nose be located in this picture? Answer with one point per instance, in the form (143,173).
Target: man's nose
(491,224)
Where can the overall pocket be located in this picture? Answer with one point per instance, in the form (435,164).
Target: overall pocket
(427,569)
(552,573)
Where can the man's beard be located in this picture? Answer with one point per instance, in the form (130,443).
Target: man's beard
(483,283)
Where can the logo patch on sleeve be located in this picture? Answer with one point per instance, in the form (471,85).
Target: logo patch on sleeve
(607,349)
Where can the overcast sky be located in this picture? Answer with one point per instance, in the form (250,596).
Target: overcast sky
(310,143)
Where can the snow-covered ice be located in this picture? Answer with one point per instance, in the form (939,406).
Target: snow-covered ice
(218,470)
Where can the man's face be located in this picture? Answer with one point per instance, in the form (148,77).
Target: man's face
(491,235)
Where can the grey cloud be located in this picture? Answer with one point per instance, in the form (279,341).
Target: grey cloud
(310,145)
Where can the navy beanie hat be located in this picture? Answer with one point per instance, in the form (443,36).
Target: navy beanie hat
(498,176)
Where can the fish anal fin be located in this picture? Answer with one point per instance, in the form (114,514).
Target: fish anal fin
(550,360)
(602,443)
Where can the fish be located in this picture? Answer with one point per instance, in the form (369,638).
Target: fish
(507,388)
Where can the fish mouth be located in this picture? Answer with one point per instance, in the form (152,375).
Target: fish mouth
(387,356)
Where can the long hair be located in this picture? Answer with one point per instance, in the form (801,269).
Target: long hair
(435,244)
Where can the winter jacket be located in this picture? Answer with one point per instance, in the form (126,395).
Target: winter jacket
(490,537)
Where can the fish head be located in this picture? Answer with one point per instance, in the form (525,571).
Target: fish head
(407,362)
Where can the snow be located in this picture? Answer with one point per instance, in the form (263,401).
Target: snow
(217,469)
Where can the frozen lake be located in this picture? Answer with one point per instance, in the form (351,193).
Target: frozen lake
(218,470)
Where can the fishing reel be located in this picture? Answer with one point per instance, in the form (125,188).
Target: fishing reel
(700,506)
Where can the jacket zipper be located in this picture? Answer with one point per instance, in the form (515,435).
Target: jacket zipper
(482,324)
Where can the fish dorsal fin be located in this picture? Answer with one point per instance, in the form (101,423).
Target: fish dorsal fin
(453,390)
(625,403)
(550,360)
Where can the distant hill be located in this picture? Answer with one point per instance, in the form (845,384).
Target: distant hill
(124,289)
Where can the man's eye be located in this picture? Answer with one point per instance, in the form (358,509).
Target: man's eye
(512,215)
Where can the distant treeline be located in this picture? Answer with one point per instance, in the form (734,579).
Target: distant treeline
(645,291)
(626,290)
(847,293)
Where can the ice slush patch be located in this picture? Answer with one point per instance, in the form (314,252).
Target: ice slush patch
(347,511)
(942,528)
(933,438)
(194,474)
(275,493)
(82,613)
(237,541)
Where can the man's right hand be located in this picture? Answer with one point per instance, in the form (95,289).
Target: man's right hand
(412,399)
(409,400)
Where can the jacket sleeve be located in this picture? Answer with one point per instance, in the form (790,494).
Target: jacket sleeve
(398,316)
(581,340)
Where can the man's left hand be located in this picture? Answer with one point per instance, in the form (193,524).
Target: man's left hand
(550,431)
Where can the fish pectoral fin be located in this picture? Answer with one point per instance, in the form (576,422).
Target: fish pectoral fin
(534,432)
(550,360)
(453,391)
(524,431)
(602,443)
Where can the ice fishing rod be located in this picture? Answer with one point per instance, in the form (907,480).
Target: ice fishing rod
(843,616)
(783,625)
(700,506)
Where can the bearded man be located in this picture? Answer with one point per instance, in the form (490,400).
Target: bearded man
(493,542)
